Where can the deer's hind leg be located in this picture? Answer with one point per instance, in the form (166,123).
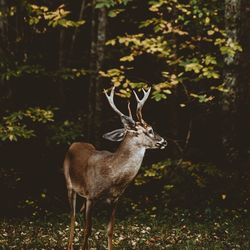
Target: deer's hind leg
(72,203)
(88,223)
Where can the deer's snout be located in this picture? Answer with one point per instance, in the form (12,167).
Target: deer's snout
(161,144)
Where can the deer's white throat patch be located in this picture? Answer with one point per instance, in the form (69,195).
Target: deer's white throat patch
(136,160)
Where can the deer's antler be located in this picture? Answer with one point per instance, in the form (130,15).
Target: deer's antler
(113,106)
(140,103)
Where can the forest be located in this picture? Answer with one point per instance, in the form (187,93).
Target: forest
(56,60)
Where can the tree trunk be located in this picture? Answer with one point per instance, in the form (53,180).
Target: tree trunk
(231,79)
(3,35)
(61,62)
(5,90)
(244,86)
(98,36)
(73,40)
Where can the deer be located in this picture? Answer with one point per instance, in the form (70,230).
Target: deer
(102,175)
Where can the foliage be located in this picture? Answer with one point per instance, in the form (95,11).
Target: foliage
(115,7)
(174,35)
(14,125)
(38,19)
(56,18)
(11,72)
(167,180)
(66,132)
(18,65)
(15,71)
(179,229)
(160,170)
(68,73)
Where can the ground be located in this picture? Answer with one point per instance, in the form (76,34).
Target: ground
(177,229)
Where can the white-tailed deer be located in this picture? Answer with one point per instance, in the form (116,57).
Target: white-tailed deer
(97,175)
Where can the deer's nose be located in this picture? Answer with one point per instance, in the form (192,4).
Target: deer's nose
(162,143)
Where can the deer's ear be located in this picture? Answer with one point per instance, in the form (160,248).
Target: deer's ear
(116,135)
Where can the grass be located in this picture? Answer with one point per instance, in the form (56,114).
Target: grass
(180,230)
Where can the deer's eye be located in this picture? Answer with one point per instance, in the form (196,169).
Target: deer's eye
(150,131)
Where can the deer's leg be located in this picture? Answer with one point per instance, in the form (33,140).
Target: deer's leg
(111,226)
(88,223)
(72,203)
(83,207)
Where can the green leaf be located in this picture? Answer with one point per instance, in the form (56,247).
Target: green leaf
(202,98)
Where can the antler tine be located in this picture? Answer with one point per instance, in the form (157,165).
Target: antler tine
(129,111)
(140,103)
(111,101)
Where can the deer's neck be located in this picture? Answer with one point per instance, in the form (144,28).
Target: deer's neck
(129,154)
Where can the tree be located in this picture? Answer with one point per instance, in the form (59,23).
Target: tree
(230,98)
(186,44)
(20,24)
(98,39)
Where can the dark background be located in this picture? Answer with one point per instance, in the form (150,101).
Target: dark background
(209,169)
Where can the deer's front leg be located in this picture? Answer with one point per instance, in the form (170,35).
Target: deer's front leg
(111,225)
(88,223)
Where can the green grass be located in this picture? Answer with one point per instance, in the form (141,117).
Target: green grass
(175,230)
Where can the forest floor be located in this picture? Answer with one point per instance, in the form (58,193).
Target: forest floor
(179,229)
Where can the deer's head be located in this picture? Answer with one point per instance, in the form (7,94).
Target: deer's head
(142,132)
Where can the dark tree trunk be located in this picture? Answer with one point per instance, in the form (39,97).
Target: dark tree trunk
(231,78)
(61,48)
(73,40)
(244,84)
(2,45)
(5,90)
(3,33)
(236,103)
(61,64)
(98,38)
